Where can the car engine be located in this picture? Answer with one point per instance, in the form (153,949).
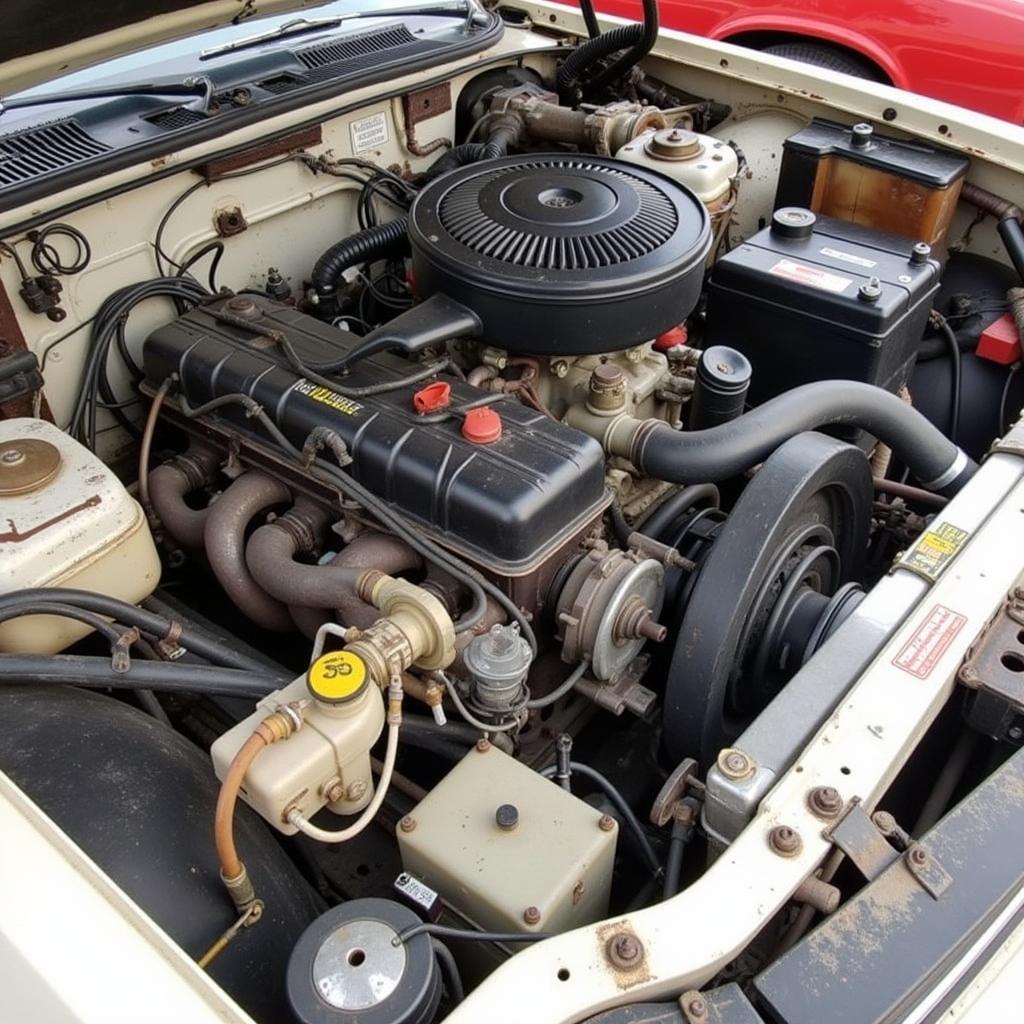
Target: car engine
(454,578)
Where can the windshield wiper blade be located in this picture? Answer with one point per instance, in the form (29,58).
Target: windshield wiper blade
(198,85)
(475,16)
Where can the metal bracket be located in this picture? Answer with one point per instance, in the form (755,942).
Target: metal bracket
(625,693)
(934,878)
(869,845)
(862,841)
(995,663)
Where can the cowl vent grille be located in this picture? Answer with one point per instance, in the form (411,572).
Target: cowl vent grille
(176,117)
(361,45)
(50,147)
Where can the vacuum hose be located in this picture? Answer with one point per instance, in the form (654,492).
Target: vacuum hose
(724,451)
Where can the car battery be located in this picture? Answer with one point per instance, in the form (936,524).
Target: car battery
(811,298)
(855,174)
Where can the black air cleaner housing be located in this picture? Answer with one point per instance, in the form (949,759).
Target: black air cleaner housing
(562,254)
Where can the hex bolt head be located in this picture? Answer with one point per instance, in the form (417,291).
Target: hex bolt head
(407,824)
(785,841)
(506,817)
(531,915)
(606,823)
(825,801)
(696,1008)
(734,764)
(624,950)
(483,745)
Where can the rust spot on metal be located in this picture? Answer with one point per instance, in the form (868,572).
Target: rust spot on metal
(622,952)
(13,535)
(291,143)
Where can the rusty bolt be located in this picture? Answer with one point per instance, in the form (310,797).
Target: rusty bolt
(333,790)
(785,841)
(825,801)
(696,1008)
(606,823)
(734,764)
(624,950)
(531,915)
(407,824)
(483,745)
(884,822)
(918,856)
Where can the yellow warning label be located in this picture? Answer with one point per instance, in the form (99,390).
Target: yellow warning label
(325,396)
(934,550)
(337,676)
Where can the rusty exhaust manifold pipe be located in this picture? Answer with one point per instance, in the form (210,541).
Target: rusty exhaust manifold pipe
(224,536)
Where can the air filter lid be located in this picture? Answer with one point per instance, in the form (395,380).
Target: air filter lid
(562,254)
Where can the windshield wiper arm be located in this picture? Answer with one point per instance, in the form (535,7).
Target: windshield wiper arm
(475,15)
(198,85)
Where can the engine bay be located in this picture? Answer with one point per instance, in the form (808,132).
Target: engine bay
(467,539)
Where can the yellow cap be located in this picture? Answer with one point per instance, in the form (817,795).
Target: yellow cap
(337,677)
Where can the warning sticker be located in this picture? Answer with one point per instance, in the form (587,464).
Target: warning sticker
(369,132)
(922,651)
(934,550)
(813,277)
(325,396)
(847,257)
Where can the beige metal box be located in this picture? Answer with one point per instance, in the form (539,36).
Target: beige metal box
(556,858)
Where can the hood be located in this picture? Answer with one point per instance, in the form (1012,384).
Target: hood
(42,40)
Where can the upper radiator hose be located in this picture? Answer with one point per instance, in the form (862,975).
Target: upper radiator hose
(727,450)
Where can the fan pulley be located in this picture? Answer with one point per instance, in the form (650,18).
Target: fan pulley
(775,584)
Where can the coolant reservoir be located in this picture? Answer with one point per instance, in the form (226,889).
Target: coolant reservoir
(65,521)
(326,763)
(704,164)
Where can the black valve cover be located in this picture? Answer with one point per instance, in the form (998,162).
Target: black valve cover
(504,504)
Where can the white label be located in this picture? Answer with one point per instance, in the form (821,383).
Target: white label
(848,257)
(369,132)
(921,653)
(814,277)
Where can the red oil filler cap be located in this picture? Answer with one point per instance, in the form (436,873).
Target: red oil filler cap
(670,338)
(433,397)
(1000,341)
(481,426)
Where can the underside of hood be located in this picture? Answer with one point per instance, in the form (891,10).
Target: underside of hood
(42,39)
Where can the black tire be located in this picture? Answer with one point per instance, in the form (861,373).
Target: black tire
(824,56)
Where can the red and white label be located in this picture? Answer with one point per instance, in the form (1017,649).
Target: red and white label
(921,653)
(813,277)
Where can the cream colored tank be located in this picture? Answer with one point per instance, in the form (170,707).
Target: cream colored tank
(65,521)
(702,163)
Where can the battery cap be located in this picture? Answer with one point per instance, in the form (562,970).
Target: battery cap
(793,222)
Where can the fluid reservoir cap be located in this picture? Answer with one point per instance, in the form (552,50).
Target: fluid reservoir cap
(337,677)
(26,464)
(793,222)
(481,426)
(674,144)
(725,368)
(433,397)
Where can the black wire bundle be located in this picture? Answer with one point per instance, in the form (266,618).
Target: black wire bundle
(95,390)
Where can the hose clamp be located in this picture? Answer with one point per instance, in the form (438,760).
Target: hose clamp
(956,467)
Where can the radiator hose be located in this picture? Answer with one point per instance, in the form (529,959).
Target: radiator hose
(688,457)
(376,243)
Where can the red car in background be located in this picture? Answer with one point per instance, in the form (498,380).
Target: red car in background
(968,52)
